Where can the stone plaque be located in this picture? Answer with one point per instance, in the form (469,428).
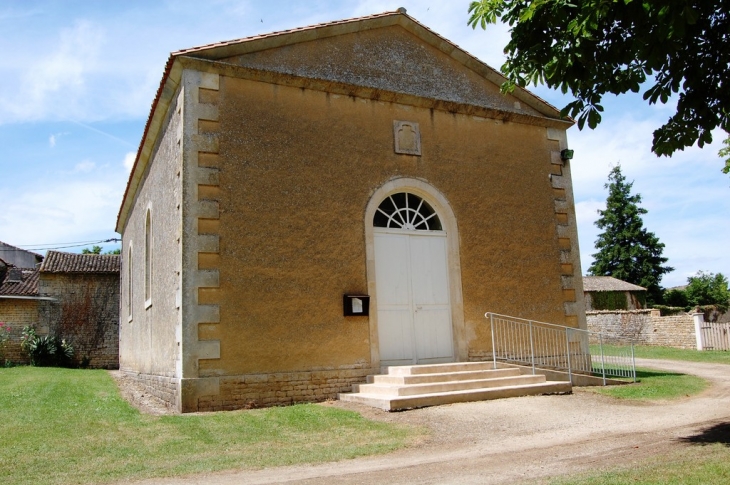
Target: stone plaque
(407,137)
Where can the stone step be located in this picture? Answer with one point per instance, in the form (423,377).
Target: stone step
(395,403)
(447,386)
(443,377)
(409,370)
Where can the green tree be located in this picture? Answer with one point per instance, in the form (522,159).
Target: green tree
(708,289)
(725,153)
(626,250)
(595,47)
(97,250)
(676,298)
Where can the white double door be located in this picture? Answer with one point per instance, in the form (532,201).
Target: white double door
(414,306)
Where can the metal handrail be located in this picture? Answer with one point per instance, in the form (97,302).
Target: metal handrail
(550,346)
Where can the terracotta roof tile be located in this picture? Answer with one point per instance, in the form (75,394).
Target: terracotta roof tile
(608,283)
(58,262)
(27,286)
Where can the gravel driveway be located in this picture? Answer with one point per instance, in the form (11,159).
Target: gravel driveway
(515,440)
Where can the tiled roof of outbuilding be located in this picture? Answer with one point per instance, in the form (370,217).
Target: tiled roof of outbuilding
(27,286)
(608,283)
(58,262)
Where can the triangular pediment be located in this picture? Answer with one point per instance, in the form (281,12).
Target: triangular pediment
(389,52)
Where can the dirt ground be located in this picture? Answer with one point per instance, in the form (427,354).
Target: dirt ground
(517,440)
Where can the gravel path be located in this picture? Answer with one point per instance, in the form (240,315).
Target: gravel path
(528,439)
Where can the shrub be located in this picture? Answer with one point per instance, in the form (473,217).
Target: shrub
(667,311)
(46,350)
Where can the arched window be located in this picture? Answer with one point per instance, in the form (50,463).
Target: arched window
(130,286)
(406,211)
(148,259)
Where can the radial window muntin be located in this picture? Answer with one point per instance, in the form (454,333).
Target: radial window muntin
(404,210)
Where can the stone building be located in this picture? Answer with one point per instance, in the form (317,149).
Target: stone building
(71,296)
(307,206)
(608,293)
(20,258)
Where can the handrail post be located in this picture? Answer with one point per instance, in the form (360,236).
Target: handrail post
(567,349)
(603,362)
(633,361)
(494,347)
(532,350)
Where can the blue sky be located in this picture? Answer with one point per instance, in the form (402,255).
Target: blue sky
(77,79)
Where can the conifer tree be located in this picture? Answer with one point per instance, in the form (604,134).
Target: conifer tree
(626,250)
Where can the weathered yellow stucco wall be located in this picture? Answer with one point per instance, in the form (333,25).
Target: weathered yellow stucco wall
(297,169)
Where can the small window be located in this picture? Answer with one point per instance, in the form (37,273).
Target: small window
(406,211)
(148,260)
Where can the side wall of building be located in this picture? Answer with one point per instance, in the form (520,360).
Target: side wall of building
(149,345)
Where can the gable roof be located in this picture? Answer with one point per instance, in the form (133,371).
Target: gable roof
(220,52)
(608,283)
(58,262)
(19,282)
(8,253)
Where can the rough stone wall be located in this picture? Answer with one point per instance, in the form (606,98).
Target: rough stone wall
(645,327)
(261,390)
(404,64)
(16,314)
(164,388)
(673,331)
(86,313)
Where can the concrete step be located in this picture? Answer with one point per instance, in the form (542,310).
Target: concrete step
(395,403)
(443,377)
(409,370)
(448,386)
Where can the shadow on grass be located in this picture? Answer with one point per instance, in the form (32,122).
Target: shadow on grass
(719,433)
(646,373)
(640,374)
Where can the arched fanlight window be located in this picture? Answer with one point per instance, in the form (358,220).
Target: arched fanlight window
(406,211)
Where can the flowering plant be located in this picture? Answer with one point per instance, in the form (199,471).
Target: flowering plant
(4,337)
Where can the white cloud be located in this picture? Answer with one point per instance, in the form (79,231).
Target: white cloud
(52,141)
(129,159)
(85,166)
(69,210)
(55,85)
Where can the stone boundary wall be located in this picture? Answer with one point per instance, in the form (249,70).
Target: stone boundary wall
(265,390)
(645,327)
(16,314)
(162,387)
(85,313)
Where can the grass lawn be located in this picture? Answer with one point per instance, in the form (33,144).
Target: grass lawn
(656,384)
(711,356)
(669,353)
(62,426)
